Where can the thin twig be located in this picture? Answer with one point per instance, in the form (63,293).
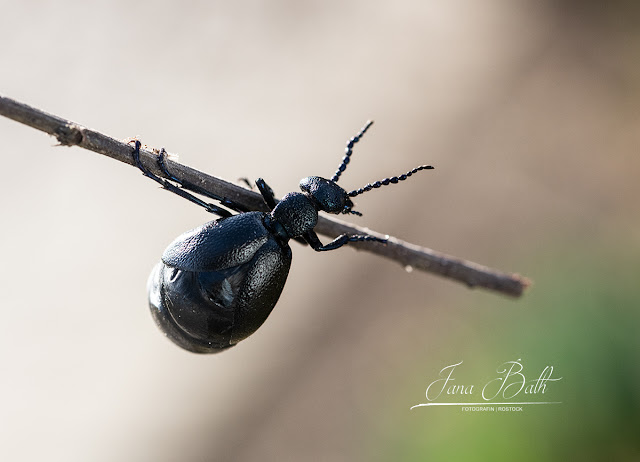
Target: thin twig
(409,255)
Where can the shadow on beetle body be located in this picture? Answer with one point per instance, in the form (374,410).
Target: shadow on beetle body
(217,284)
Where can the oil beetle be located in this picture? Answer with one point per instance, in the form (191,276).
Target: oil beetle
(218,283)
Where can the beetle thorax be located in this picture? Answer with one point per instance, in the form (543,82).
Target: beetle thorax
(297,214)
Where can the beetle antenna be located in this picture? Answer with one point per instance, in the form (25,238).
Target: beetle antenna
(349,150)
(386,181)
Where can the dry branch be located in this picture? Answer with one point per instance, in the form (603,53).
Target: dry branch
(71,134)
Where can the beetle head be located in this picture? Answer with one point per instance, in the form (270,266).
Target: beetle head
(327,195)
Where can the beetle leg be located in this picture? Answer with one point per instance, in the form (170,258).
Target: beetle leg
(267,193)
(173,188)
(196,189)
(246,181)
(312,239)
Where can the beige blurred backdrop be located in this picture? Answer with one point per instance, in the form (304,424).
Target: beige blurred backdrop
(528,109)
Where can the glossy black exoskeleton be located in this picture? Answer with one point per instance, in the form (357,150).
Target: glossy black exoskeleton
(218,283)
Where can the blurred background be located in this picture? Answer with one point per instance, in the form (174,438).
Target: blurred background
(528,109)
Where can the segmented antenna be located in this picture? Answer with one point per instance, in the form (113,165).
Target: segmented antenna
(386,181)
(349,150)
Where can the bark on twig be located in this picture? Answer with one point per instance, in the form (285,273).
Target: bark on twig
(71,134)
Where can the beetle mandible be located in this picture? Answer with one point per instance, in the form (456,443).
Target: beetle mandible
(218,283)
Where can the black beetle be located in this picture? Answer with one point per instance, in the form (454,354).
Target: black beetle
(218,283)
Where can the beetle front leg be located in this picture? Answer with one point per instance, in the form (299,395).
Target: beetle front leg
(267,193)
(312,239)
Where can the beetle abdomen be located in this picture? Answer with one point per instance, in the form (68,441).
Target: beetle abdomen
(209,311)
(192,317)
